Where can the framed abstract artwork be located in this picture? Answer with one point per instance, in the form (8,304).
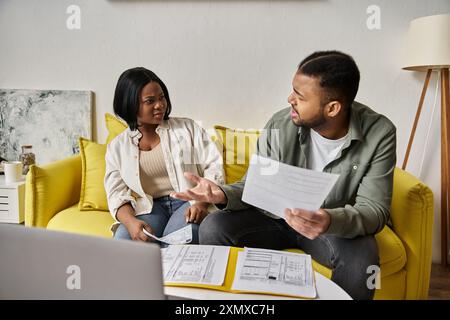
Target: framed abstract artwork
(49,120)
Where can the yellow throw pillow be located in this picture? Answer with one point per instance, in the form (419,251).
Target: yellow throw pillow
(93,166)
(114,125)
(237,147)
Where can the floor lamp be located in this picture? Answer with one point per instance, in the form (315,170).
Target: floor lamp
(428,51)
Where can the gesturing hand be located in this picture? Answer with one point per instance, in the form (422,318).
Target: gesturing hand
(204,191)
(311,224)
(197,212)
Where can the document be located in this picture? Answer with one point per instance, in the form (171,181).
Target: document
(196,264)
(271,271)
(274,186)
(181,236)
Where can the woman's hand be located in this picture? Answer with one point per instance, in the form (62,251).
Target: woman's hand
(135,226)
(197,212)
(125,214)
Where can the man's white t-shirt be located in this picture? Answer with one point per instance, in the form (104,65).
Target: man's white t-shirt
(323,151)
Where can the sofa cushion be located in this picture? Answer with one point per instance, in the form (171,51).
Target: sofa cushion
(92,194)
(114,125)
(392,252)
(392,287)
(237,147)
(95,223)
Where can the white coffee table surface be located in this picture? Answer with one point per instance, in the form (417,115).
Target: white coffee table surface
(326,290)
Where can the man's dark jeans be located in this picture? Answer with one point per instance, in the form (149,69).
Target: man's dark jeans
(348,258)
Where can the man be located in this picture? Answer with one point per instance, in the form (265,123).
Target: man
(324,130)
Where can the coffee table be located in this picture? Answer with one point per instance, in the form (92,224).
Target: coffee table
(326,290)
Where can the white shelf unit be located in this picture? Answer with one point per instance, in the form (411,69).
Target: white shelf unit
(12,201)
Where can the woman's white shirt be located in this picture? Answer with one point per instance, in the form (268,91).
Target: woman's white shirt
(186,148)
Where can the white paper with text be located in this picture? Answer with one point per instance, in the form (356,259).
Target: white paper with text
(180,236)
(272,271)
(197,264)
(274,186)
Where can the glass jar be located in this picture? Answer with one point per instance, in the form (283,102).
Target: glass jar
(27,158)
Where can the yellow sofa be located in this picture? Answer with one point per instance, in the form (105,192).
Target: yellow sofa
(53,192)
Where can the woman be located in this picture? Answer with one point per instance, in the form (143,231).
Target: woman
(146,162)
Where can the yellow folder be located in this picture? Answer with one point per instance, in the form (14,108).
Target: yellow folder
(229,277)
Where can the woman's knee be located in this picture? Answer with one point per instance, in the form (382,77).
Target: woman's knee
(122,233)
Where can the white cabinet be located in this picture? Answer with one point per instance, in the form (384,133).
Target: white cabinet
(12,201)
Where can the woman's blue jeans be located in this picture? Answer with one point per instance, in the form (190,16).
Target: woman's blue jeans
(166,217)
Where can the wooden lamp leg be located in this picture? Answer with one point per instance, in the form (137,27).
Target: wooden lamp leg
(445,153)
(416,120)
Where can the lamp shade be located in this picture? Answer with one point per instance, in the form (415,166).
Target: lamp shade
(428,43)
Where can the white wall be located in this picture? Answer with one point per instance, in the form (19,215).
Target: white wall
(225,62)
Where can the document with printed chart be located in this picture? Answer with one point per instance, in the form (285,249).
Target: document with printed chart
(275,272)
(196,264)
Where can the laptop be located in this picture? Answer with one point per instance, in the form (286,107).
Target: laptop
(42,264)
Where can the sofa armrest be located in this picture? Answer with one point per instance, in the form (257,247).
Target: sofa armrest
(412,216)
(50,189)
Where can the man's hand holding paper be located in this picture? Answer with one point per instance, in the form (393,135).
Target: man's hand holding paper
(311,224)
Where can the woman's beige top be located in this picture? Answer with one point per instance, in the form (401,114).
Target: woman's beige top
(153,173)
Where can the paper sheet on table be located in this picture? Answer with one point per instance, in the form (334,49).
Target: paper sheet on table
(272,271)
(199,264)
(274,186)
(181,236)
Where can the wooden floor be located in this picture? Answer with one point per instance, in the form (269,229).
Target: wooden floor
(439,283)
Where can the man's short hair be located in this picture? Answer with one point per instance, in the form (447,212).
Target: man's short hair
(337,72)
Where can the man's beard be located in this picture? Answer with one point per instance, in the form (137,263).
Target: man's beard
(317,122)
